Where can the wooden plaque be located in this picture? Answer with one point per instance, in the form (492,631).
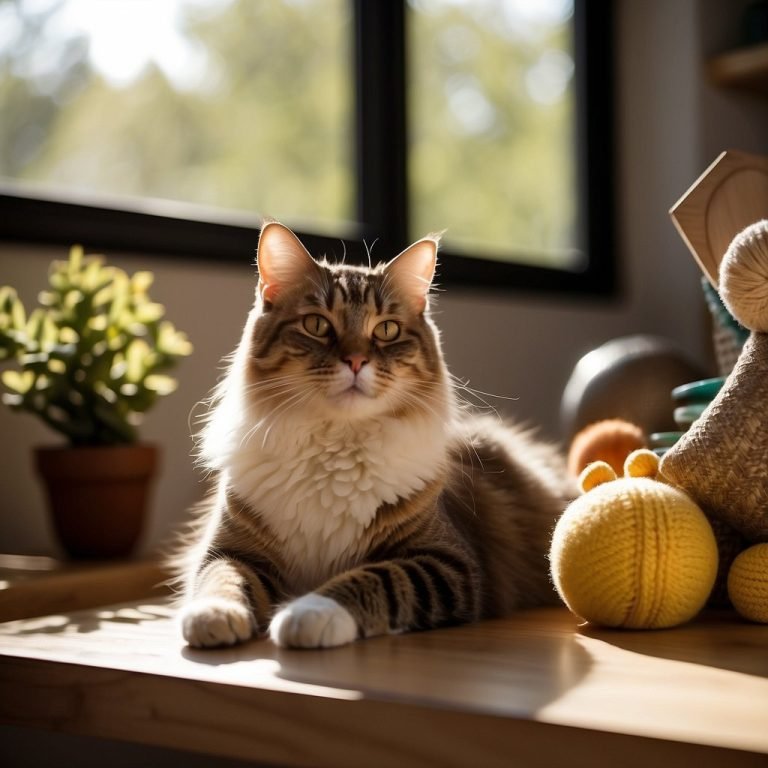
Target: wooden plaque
(729,196)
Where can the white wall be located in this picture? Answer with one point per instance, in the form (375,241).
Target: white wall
(671,124)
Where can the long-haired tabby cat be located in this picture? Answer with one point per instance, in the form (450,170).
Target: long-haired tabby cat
(354,497)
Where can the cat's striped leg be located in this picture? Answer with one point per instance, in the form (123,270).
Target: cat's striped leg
(232,600)
(426,590)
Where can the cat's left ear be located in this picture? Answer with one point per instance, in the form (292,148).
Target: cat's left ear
(413,269)
(282,260)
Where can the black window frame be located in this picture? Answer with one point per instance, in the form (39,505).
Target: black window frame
(186,230)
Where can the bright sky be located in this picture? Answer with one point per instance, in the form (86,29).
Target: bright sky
(126,35)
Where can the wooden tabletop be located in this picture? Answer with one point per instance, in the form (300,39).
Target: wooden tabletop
(534,689)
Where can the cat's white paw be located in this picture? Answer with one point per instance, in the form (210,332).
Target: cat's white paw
(211,621)
(313,621)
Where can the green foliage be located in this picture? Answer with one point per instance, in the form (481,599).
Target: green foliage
(269,126)
(490,162)
(92,356)
(267,130)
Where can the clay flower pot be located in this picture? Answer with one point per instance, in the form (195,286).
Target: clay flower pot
(97,496)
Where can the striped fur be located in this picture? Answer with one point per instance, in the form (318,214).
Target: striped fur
(353,496)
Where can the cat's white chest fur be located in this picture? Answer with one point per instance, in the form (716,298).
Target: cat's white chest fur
(318,488)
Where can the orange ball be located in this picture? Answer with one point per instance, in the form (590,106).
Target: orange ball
(610,440)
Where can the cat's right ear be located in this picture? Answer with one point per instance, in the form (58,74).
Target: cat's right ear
(281,259)
(412,271)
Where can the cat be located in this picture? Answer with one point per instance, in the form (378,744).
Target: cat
(354,496)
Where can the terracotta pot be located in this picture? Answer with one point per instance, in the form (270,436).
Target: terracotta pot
(97,496)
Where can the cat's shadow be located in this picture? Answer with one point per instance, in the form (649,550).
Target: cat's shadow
(487,666)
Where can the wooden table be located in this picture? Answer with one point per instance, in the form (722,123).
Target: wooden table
(532,690)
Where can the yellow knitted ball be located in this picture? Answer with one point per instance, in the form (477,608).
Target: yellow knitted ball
(634,553)
(748,583)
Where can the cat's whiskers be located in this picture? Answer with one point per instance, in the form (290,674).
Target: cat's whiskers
(210,402)
(286,390)
(278,386)
(423,388)
(273,381)
(423,402)
(246,438)
(369,251)
(419,394)
(461,386)
(294,402)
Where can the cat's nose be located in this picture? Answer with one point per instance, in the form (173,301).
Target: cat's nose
(356,362)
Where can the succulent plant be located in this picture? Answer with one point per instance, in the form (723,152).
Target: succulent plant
(92,357)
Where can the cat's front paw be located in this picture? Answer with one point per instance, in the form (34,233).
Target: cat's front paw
(211,621)
(313,621)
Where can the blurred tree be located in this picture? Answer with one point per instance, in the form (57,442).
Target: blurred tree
(267,127)
(492,144)
(33,87)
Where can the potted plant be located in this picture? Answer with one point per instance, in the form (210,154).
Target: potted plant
(91,359)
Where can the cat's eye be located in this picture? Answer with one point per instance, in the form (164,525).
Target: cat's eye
(387,330)
(317,325)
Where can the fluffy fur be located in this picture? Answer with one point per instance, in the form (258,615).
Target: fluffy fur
(353,496)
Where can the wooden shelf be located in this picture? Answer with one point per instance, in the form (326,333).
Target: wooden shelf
(35,586)
(536,689)
(743,69)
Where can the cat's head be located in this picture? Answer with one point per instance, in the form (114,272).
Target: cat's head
(334,341)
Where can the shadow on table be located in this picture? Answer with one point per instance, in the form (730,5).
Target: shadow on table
(81,622)
(718,639)
(489,666)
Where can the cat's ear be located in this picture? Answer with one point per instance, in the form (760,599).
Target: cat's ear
(412,271)
(281,259)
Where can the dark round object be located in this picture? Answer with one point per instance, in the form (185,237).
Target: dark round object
(630,378)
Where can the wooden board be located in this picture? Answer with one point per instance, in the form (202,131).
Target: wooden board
(36,585)
(534,689)
(729,196)
(744,69)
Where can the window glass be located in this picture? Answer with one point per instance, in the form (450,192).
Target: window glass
(492,127)
(229,103)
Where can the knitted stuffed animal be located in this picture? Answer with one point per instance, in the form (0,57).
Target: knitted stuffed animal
(633,552)
(608,440)
(722,461)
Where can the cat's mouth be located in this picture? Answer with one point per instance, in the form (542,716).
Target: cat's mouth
(355,390)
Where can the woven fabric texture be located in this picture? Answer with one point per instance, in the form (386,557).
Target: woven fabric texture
(722,460)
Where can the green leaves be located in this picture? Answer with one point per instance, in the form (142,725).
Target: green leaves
(19,382)
(92,356)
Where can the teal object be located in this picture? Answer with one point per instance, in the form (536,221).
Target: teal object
(664,439)
(702,391)
(685,415)
(721,315)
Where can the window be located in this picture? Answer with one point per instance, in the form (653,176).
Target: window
(169,127)
(239,106)
(490,134)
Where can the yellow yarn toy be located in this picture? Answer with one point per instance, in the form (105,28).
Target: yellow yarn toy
(633,552)
(748,583)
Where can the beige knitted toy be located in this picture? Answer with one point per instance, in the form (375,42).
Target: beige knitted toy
(722,461)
